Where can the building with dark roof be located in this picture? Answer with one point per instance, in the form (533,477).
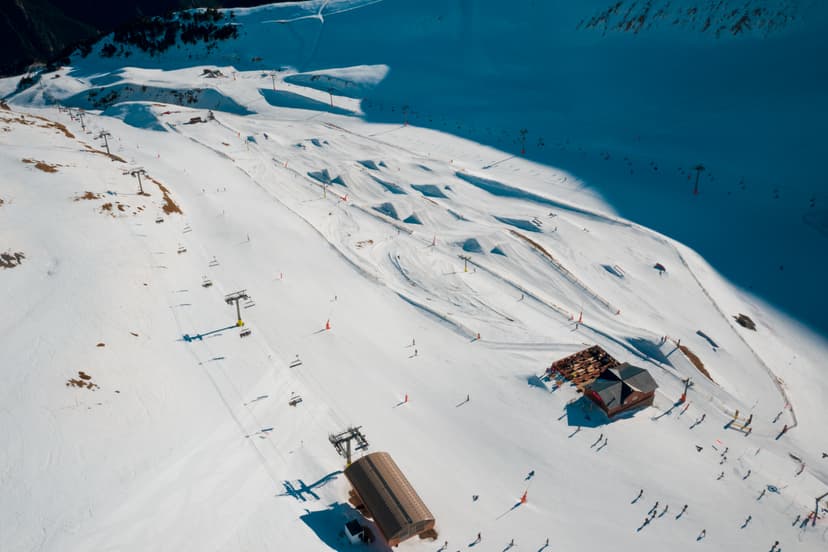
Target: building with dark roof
(622,388)
(384,493)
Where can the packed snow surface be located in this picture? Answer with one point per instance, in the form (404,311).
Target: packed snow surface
(412,279)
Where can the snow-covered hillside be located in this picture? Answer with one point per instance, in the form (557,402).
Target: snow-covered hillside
(448,271)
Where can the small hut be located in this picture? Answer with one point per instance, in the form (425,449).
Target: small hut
(384,493)
(622,388)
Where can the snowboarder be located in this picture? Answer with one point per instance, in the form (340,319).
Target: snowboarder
(475,497)
(773,548)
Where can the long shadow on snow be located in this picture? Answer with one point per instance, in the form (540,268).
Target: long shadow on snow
(328,525)
(585,413)
(282,98)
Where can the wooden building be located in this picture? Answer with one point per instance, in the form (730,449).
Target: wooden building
(384,494)
(622,388)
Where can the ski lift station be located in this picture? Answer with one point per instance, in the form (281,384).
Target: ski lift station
(383,493)
(613,386)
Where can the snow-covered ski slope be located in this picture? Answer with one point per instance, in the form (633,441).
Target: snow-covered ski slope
(325,214)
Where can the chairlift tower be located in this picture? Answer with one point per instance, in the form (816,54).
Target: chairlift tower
(104,135)
(342,442)
(236,298)
(699,169)
(137,173)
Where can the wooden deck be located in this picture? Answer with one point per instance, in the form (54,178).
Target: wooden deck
(583,367)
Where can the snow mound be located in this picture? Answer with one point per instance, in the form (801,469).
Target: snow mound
(135,114)
(471,245)
(202,98)
(429,190)
(368,164)
(389,186)
(352,82)
(388,210)
(523,224)
(323,176)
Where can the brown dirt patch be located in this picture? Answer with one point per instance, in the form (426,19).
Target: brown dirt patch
(42,165)
(112,156)
(4,106)
(83,381)
(169,206)
(101,345)
(59,127)
(106,207)
(1,202)
(696,361)
(11,260)
(88,195)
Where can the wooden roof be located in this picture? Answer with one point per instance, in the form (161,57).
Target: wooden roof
(395,506)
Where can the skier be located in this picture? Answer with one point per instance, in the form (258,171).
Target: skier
(653,509)
(721,475)
(747,474)
(531,474)
(475,497)
(702,534)
(479,537)
(415,352)
(798,517)
(747,521)
(640,494)
(683,509)
(762,494)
